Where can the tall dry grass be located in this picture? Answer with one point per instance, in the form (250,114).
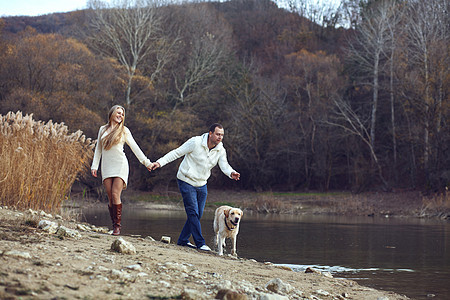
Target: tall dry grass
(437,204)
(39,161)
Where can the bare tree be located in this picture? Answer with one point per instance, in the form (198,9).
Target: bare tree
(322,12)
(427,52)
(129,31)
(207,39)
(314,79)
(348,119)
(368,51)
(255,115)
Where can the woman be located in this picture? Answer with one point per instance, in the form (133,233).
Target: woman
(110,141)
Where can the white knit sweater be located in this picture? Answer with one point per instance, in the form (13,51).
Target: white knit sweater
(198,161)
(114,161)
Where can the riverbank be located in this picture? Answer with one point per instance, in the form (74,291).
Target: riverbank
(39,264)
(394,204)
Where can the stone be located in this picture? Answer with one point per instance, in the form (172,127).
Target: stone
(263,296)
(165,239)
(190,294)
(17,254)
(116,274)
(32,212)
(322,293)
(44,214)
(134,267)
(311,270)
(83,227)
(327,274)
(226,294)
(278,286)
(48,226)
(64,232)
(122,246)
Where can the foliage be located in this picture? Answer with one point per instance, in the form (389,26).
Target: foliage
(39,162)
(299,111)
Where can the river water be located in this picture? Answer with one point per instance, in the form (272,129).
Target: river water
(407,256)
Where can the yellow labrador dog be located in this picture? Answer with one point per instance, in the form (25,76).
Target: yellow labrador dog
(226,225)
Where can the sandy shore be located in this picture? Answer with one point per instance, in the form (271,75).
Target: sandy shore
(36,264)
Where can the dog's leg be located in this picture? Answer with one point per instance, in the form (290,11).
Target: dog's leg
(233,247)
(220,241)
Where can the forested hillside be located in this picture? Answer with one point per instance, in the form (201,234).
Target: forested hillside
(355,99)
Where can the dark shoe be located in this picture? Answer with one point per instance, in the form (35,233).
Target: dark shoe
(117,212)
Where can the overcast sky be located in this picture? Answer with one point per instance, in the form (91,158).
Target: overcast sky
(43,7)
(38,7)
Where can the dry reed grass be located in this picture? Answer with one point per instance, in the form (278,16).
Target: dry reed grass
(39,162)
(438,204)
(267,203)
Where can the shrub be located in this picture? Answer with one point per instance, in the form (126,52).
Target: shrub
(39,162)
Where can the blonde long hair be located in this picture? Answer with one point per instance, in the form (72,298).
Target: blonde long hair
(117,132)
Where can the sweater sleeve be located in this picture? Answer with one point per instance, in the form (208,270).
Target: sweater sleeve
(184,149)
(224,165)
(98,151)
(135,148)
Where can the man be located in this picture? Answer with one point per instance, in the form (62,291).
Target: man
(201,154)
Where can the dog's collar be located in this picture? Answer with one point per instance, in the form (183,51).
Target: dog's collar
(226,224)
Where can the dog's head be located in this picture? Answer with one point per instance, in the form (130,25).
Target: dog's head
(234,215)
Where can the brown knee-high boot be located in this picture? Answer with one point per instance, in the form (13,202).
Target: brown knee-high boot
(111,214)
(117,212)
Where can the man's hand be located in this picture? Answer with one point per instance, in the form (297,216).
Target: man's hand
(94,173)
(155,166)
(235,175)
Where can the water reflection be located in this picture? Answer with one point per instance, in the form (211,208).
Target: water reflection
(408,256)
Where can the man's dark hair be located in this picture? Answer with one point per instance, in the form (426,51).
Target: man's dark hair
(212,128)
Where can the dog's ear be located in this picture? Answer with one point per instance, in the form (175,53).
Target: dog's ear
(226,212)
(242,213)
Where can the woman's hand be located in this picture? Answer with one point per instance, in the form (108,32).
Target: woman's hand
(94,172)
(156,165)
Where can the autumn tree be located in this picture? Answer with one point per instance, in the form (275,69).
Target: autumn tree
(129,31)
(426,78)
(202,51)
(254,122)
(314,80)
(56,78)
(324,13)
(368,51)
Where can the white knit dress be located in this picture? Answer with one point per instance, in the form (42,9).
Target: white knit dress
(114,161)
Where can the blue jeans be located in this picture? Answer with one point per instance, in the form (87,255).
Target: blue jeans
(194,199)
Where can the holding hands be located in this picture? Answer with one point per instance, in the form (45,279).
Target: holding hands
(155,166)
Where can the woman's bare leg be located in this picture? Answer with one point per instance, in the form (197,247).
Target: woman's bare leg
(108,187)
(116,190)
(114,187)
